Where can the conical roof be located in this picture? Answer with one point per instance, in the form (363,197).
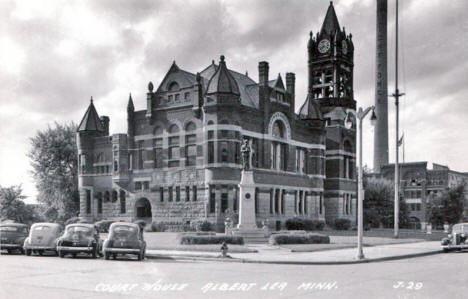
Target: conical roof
(222,81)
(91,121)
(330,24)
(130,106)
(310,109)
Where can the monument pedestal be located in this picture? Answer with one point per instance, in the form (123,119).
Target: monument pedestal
(247,227)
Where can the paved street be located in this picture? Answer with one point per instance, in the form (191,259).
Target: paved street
(436,276)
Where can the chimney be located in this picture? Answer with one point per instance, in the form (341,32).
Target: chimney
(263,73)
(291,84)
(105,123)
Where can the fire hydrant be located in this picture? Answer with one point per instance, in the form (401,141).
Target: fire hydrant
(224,250)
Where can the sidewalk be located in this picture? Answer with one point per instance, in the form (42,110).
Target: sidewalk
(278,255)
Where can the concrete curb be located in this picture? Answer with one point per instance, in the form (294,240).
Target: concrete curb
(285,262)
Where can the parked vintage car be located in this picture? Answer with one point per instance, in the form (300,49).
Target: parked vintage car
(124,238)
(12,236)
(79,238)
(42,237)
(457,239)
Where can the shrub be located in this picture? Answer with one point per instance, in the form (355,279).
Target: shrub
(299,239)
(103,225)
(342,224)
(158,226)
(210,239)
(72,220)
(204,226)
(304,224)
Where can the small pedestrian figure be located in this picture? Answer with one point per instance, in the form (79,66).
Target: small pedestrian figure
(224,250)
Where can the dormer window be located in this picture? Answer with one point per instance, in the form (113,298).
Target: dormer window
(279,97)
(174,86)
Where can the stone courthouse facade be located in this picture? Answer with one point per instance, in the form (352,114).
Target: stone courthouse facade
(180,160)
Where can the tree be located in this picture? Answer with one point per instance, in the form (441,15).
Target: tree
(53,156)
(379,203)
(447,206)
(12,206)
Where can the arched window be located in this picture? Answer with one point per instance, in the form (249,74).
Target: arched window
(173,129)
(190,127)
(123,209)
(158,130)
(278,129)
(174,86)
(348,163)
(278,148)
(114,196)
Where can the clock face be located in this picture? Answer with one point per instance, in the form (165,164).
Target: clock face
(344,47)
(324,46)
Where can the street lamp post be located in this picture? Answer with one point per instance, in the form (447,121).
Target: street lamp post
(348,123)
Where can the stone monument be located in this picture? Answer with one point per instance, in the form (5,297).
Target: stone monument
(247,226)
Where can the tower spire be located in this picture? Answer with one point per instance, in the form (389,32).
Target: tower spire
(330,23)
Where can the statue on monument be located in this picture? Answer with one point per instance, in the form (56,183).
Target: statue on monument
(245,150)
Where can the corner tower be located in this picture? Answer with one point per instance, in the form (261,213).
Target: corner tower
(330,65)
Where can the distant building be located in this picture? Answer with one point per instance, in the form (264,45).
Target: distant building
(180,159)
(418,184)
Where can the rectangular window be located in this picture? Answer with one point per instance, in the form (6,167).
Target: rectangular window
(224,133)
(254,152)
(177,97)
(187,193)
(174,140)
(177,189)
(237,153)
(140,155)
(158,158)
(174,152)
(210,134)
(157,142)
(191,139)
(161,194)
(88,201)
(187,96)
(256,200)
(169,190)
(282,202)
(321,203)
(224,151)
(277,201)
(224,202)
(212,200)
(194,193)
(137,185)
(169,98)
(145,185)
(210,152)
(271,201)
(173,163)
(190,150)
(305,202)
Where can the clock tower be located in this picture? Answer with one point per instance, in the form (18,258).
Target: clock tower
(330,66)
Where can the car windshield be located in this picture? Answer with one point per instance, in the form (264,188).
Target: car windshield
(460,228)
(83,230)
(124,231)
(12,229)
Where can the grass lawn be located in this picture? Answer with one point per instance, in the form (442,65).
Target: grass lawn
(168,241)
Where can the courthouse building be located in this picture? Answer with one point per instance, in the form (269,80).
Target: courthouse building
(180,159)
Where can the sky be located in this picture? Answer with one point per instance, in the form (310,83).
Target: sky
(55,55)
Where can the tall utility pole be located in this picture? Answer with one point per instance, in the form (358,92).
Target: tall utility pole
(381,88)
(397,96)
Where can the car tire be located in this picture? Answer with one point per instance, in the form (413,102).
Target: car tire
(22,251)
(140,255)
(114,256)
(28,252)
(9,251)
(56,253)
(61,254)
(446,250)
(73,255)
(40,252)
(106,255)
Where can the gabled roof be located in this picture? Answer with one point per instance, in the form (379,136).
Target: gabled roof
(90,121)
(184,78)
(277,83)
(330,24)
(222,81)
